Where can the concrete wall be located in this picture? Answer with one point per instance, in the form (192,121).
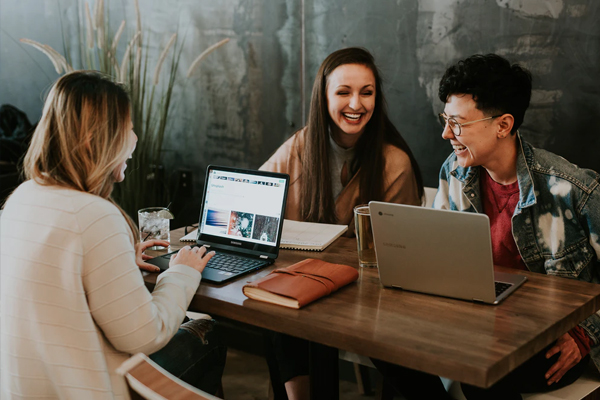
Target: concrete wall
(252,93)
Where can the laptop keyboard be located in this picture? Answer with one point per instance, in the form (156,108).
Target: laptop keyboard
(229,264)
(501,287)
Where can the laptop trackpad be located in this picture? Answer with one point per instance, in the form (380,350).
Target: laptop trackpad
(162,262)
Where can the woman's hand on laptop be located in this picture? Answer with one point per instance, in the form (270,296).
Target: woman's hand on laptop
(140,257)
(196,257)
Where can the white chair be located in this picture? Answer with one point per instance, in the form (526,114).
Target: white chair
(429,196)
(361,370)
(147,380)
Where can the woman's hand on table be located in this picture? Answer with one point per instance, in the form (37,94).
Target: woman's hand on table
(196,257)
(140,257)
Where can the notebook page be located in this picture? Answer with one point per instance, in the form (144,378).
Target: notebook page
(190,237)
(310,233)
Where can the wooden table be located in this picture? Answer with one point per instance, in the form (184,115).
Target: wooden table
(468,342)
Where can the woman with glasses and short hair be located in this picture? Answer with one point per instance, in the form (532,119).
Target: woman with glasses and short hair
(544,211)
(349,153)
(544,214)
(74,303)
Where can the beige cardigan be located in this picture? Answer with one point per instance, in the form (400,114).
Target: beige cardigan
(400,185)
(74,303)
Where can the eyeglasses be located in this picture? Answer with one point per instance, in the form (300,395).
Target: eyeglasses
(455,126)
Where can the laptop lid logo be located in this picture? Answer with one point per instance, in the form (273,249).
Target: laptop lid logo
(394,245)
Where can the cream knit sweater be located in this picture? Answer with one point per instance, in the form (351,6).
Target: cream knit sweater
(74,305)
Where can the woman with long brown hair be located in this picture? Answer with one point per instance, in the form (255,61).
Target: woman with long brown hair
(349,153)
(74,304)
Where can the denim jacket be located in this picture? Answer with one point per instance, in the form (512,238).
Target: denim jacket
(556,223)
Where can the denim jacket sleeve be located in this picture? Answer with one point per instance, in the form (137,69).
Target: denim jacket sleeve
(590,221)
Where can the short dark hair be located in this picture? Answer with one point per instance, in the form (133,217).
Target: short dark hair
(496,86)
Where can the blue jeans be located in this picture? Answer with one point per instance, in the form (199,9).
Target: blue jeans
(194,355)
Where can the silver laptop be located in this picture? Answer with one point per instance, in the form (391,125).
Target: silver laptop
(446,253)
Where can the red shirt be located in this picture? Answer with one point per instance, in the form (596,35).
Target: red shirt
(499,203)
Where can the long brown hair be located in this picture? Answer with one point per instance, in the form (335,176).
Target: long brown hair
(82,136)
(316,200)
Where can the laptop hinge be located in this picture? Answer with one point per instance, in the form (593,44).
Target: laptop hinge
(264,257)
(479,301)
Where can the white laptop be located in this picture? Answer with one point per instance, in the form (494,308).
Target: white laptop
(446,253)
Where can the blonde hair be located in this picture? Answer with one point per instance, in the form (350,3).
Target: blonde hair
(82,137)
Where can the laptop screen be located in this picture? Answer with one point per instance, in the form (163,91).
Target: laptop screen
(243,208)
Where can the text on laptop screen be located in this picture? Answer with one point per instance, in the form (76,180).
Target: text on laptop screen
(243,206)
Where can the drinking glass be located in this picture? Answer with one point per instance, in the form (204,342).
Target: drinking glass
(154,224)
(364,236)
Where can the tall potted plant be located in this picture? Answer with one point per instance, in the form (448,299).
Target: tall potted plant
(150,95)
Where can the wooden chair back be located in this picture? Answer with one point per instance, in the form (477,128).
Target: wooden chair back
(147,380)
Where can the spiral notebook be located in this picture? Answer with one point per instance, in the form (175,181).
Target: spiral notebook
(299,235)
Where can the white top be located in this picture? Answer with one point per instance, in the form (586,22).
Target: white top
(74,305)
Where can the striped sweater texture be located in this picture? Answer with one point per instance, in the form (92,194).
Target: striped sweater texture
(73,301)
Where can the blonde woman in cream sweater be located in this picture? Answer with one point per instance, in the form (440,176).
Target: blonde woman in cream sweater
(74,304)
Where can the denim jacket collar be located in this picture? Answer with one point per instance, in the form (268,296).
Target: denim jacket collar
(470,176)
(525,161)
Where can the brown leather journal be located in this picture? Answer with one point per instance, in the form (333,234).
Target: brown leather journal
(301,283)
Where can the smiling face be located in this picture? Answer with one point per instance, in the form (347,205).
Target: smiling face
(119,173)
(350,101)
(478,143)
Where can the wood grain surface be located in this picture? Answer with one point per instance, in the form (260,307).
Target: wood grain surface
(464,341)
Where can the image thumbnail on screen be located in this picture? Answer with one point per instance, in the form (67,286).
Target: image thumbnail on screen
(217,218)
(240,224)
(265,228)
